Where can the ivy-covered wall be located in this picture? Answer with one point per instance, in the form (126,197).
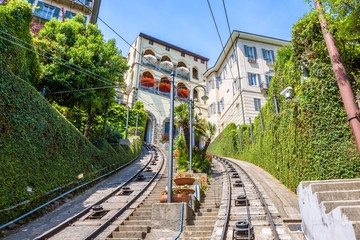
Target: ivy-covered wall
(41,150)
(310,138)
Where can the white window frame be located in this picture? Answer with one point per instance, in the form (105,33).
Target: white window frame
(257,104)
(252,79)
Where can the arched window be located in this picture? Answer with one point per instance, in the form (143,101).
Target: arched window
(164,85)
(149,52)
(147,80)
(166,63)
(182,90)
(195,73)
(196,98)
(181,64)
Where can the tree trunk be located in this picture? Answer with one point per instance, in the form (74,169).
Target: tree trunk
(207,143)
(89,120)
(187,137)
(105,119)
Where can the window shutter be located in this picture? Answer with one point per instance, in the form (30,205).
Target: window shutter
(212,83)
(218,107)
(39,8)
(273,56)
(67,14)
(259,79)
(56,13)
(31,1)
(263,52)
(249,78)
(246,51)
(255,55)
(87,2)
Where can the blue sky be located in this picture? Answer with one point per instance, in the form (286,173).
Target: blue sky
(189,25)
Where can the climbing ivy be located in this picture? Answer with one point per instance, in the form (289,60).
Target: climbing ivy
(310,138)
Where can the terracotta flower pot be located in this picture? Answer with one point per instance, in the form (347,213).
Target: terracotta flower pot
(188,190)
(175,198)
(184,181)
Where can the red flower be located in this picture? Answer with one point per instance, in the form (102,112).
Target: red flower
(164,87)
(183,93)
(147,82)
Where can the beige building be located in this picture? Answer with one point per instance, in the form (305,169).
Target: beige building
(237,84)
(60,9)
(151,61)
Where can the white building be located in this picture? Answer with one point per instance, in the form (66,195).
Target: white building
(237,84)
(151,61)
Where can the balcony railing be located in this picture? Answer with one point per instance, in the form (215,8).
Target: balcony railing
(264,86)
(168,71)
(45,14)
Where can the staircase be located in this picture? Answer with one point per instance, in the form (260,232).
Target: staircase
(205,217)
(138,224)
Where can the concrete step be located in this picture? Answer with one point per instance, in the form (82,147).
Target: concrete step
(203,222)
(137,228)
(128,234)
(197,234)
(206,213)
(205,218)
(142,213)
(330,209)
(137,222)
(198,228)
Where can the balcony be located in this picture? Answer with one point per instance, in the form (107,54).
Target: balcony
(79,5)
(152,64)
(264,87)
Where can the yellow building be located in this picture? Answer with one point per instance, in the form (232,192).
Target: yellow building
(151,61)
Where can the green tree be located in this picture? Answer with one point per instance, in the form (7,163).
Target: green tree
(84,47)
(182,115)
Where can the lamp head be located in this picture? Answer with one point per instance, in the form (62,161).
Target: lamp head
(205,98)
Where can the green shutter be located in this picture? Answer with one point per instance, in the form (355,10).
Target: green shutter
(31,1)
(249,78)
(259,79)
(38,9)
(67,14)
(56,13)
(273,56)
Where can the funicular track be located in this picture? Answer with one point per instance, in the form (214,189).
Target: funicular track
(96,217)
(243,227)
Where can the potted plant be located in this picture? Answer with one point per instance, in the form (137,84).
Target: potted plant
(184,178)
(183,93)
(187,189)
(147,82)
(178,195)
(164,87)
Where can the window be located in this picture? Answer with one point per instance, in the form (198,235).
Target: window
(195,73)
(257,104)
(202,61)
(69,14)
(252,79)
(268,80)
(167,49)
(195,59)
(182,54)
(219,107)
(222,104)
(232,59)
(47,12)
(250,53)
(151,42)
(213,106)
(269,56)
(224,72)
(218,81)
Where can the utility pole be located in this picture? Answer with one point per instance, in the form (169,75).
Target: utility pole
(127,123)
(347,95)
(190,142)
(137,120)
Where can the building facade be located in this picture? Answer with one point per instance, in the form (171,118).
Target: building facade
(45,10)
(151,62)
(238,82)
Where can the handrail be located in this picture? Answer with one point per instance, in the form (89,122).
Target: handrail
(181,221)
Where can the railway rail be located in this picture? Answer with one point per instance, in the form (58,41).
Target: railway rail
(243,228)
(101,213)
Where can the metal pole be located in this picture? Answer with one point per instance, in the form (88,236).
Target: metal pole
(252,138)
(137,120)
(241,147)
(262,126)
(347,95)
(127,123)
(43,92)
(171,133)
(276,106)
(190,150)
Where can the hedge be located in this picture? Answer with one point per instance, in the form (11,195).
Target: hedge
(41,150)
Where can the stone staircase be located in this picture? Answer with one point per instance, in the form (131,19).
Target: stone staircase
(330,209)
(138,224)
(205,217)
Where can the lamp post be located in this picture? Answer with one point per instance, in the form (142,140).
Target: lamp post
(171,137)
(191,102)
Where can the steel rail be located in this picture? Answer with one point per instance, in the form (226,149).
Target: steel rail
(104,225)
(69,221)
(269,217)
(228,209)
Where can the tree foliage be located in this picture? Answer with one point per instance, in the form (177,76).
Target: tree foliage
(101,65)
